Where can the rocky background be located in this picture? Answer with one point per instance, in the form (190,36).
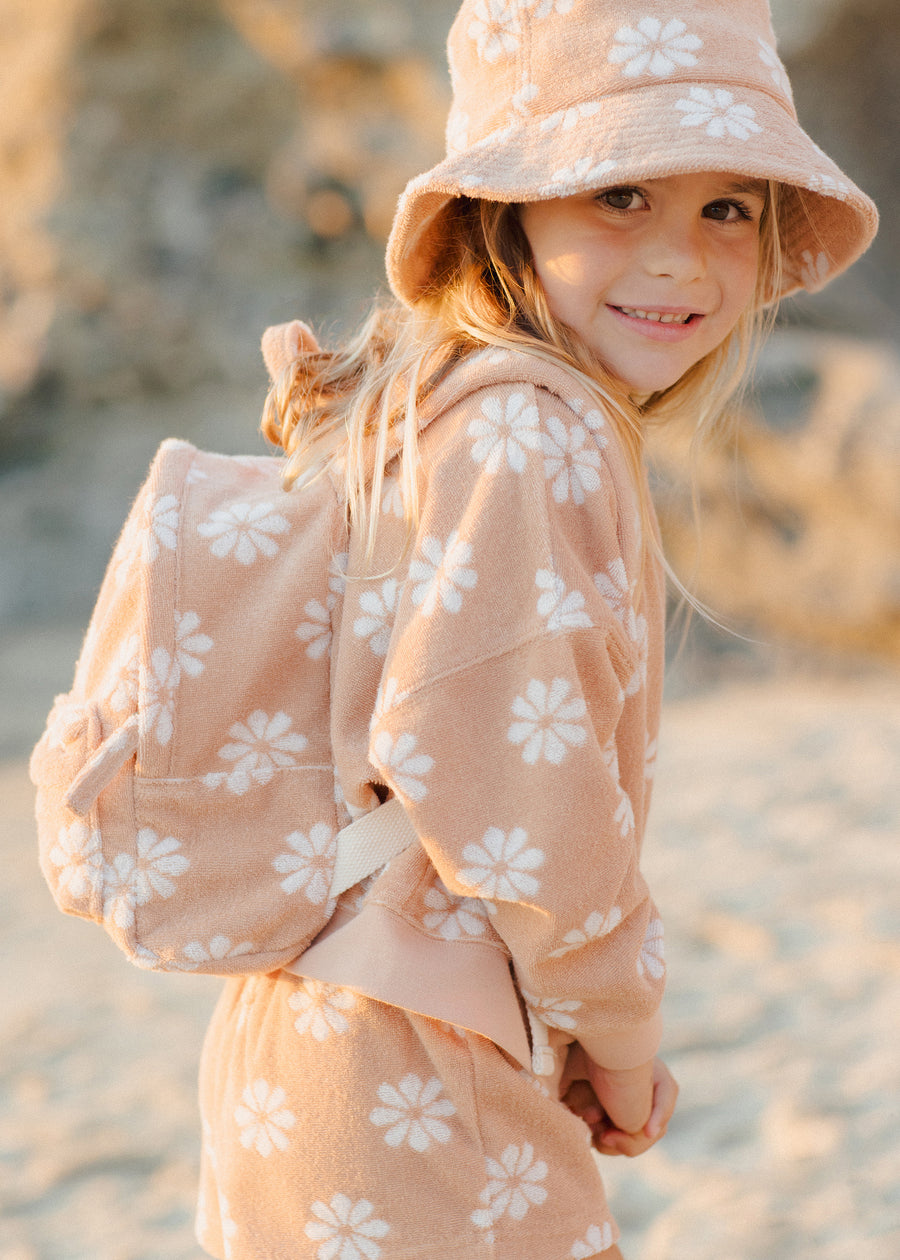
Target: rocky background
(177,174)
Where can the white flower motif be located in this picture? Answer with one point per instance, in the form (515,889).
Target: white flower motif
(162,527)
(555,1012)
(652,957)
(347,1230)
(316,633)
(513,1186)
(442,574)
(263,1118)
(566,119)
(218,949)
(378,608)
(562,609)
(124,676)
(651,48)
(815,269)
(586,172)
(261,745)
(544,8)
(504,432)
(159,680)
(548,724)
(320,1009)
(453,917)
(415,1112)
(311,864)
(595,420)
(78,853)
(828,184)
(392,498)
(716,110)
(128,882)
(572,466)
(500,865)
(770,59)
(244,529)
(496,28)
(595,926)
(599,1238)
(615,588)
(404,764)
(388,695)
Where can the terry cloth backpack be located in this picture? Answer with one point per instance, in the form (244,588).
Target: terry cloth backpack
(144,816)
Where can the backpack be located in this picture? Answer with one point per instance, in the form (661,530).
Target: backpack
(222,588)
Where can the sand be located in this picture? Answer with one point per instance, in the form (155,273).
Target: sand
(774,856)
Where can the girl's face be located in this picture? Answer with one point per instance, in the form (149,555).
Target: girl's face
(652,276)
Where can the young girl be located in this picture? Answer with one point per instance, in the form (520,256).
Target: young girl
(433,1075)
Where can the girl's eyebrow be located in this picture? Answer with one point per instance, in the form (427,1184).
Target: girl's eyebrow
(749,187)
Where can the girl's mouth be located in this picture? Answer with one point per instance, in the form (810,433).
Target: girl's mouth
(672,325)
(658,317)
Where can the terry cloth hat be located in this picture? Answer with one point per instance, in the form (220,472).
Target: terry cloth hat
(555,97)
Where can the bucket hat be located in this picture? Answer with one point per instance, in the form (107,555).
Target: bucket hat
(556,97)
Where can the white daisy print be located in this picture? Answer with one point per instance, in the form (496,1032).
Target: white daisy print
(716,110)
(495,27)
(392,498)
(128,882)
(310,865)
(584,173)
(261,746)
(442,575)
(320,1009)
(599,1238)
(162,527)
(654,48)
(596,925)
(78,853)
(652,960)
(347,1230)
(216,950)
(513,1186)
(572,466)
(548,723)
(561,609)
(316,633)
(377,609)
(404,765)
(244,530)
(614,586)
(263,1118)
(815,269)
(546,8)
(770,59)
(555,1012)
(504,433)
(123,679)
(453,917)
(388,695)
(594,419)
(414,1113)
(501,865)
(567,119)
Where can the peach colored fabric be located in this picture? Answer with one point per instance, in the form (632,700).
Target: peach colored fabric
(502,678)
(556,97)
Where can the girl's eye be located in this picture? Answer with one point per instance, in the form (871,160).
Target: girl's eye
(621,198)
(727,211)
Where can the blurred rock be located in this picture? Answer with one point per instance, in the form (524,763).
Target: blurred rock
(799,507)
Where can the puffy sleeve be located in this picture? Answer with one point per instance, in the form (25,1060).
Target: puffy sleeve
(516,720)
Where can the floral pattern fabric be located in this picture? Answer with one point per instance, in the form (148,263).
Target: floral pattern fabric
(503,683)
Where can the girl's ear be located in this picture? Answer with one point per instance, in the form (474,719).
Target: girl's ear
(283,343)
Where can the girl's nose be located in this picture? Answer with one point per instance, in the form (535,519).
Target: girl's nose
(675,251)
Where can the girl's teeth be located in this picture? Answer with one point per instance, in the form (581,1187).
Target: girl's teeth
(655,316)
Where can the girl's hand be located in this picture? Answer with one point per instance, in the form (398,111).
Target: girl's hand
(627,1110)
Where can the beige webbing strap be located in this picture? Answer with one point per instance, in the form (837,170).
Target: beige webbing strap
(366,844)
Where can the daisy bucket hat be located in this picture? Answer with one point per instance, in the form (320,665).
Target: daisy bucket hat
(556,97)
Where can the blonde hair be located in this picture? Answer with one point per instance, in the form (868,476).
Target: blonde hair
(346,411)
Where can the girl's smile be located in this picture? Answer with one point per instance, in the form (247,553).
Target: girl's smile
(651,277)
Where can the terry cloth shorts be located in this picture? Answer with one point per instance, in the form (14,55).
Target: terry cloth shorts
(336,1127)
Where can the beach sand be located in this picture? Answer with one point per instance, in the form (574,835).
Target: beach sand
(774,857)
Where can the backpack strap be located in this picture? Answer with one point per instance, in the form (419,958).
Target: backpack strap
(364,845)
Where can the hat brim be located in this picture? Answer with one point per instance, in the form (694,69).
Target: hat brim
(825,221)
